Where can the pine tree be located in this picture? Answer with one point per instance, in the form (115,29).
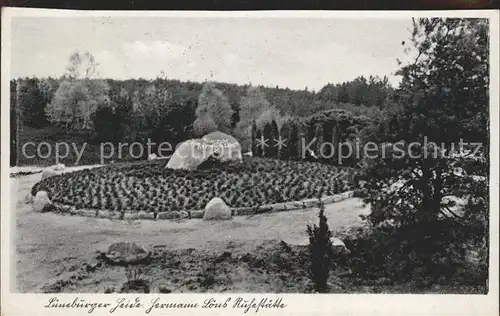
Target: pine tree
(284,151)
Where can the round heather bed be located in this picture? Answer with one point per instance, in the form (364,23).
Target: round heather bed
(149,187)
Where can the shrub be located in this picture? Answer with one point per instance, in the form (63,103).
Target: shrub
(320,251)
(410,253)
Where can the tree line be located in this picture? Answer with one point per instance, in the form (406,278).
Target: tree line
(136,109)
(317,137)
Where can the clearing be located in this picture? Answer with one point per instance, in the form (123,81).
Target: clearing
(58,253)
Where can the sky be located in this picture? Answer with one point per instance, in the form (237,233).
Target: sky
(285,52)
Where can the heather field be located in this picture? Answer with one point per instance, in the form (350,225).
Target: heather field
(149,186)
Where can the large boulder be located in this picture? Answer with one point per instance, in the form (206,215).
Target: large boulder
(217,209)
(223,146)
(41,202)
(192,153)
(126,253)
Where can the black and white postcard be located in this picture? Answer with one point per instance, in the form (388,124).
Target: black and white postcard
(232,163)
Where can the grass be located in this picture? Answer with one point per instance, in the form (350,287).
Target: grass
(149,186)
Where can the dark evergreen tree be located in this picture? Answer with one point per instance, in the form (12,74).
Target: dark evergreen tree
(268,134)
(320,251)
(293,144)
(258,145)
(30,103)
(254,136)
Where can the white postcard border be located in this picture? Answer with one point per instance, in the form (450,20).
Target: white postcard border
(297,304)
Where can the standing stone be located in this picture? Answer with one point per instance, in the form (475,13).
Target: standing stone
(217,209)
(41,201)
(188,155)
(193,152)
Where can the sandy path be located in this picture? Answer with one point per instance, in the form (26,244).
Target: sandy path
(49,244)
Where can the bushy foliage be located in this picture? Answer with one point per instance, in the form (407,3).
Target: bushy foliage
(213,112)
(412,215)
(268,116)
(111,121)
(402,255)
(148,104)
(30,101)
(134,273)
(372,91)
(75,103)
(252,105)
(312,133)
(204,124)
(80,94)
(161,109)
(254,108)
(149,186)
